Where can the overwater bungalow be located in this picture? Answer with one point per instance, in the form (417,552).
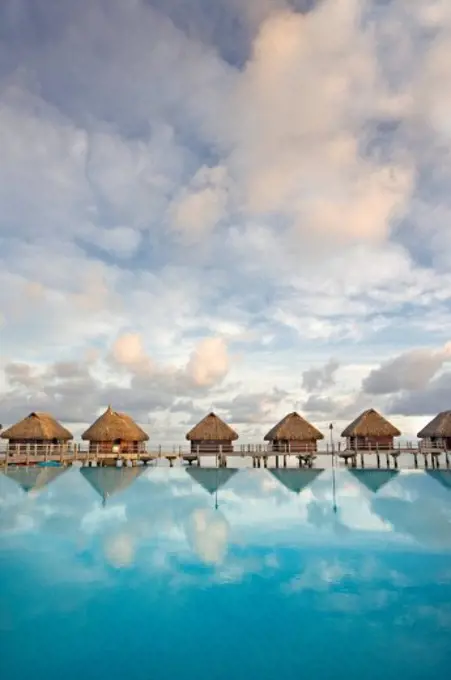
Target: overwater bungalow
(33,479)
(38,431)
(293,434)
(110,481)
(374,479)
(211,435)
(370,431)
(437,433)
(115,432)
(296,480)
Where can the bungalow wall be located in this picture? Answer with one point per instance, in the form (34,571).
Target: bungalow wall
(118,445)
(211,446)
(437,443)
(370,442)
(294,446)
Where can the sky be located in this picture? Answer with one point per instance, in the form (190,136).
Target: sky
(234,206)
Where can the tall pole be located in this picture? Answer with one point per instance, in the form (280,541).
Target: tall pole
(334,495)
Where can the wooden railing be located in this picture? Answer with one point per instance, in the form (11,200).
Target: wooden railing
(74,449)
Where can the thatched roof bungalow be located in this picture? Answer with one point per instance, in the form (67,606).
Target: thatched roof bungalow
(293,434)
(39,429)
(211,435)
(110,481)
(370,431)
(437,433)
(115,432)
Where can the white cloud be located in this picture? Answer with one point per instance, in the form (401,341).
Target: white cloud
(209,363)
(225,208)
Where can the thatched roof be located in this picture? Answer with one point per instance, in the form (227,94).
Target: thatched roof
(440,426)
(110,480)
(37,426)
(296,480)
(211,479)
(370,423)
(112,425)
(34,478)
(442,476)
(212,428)
(293,427)
(374,479)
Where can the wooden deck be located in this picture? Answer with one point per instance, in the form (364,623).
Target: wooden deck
(261,456)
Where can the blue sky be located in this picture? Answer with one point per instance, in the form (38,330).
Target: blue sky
(201,202)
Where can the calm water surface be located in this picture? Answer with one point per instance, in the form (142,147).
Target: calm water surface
(159,573)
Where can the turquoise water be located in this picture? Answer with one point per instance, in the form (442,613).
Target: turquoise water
(207,575)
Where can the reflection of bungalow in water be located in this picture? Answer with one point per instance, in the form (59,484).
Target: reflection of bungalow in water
(293,434)
(34,478)
(211,435)
(437,433)
(374,479)
(443,477)
(115,432)
(109,481)
(211,479)
(38,430)
(370,431)
(296,480)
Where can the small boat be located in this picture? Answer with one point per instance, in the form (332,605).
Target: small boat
(49,463)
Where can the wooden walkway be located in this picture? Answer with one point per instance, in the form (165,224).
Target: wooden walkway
(261,456)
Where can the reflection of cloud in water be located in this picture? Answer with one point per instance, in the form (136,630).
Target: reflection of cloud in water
(119,550)
(208,533)
(97,518)
(428,523)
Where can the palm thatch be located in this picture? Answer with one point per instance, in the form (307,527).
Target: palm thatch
(37,427)
(293,427)
(441,476)
(212,428)
(109,481)
(296,480)
(211,479)
(370,423)
(112,426)
(439,427)
(34,478)
(374,479)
